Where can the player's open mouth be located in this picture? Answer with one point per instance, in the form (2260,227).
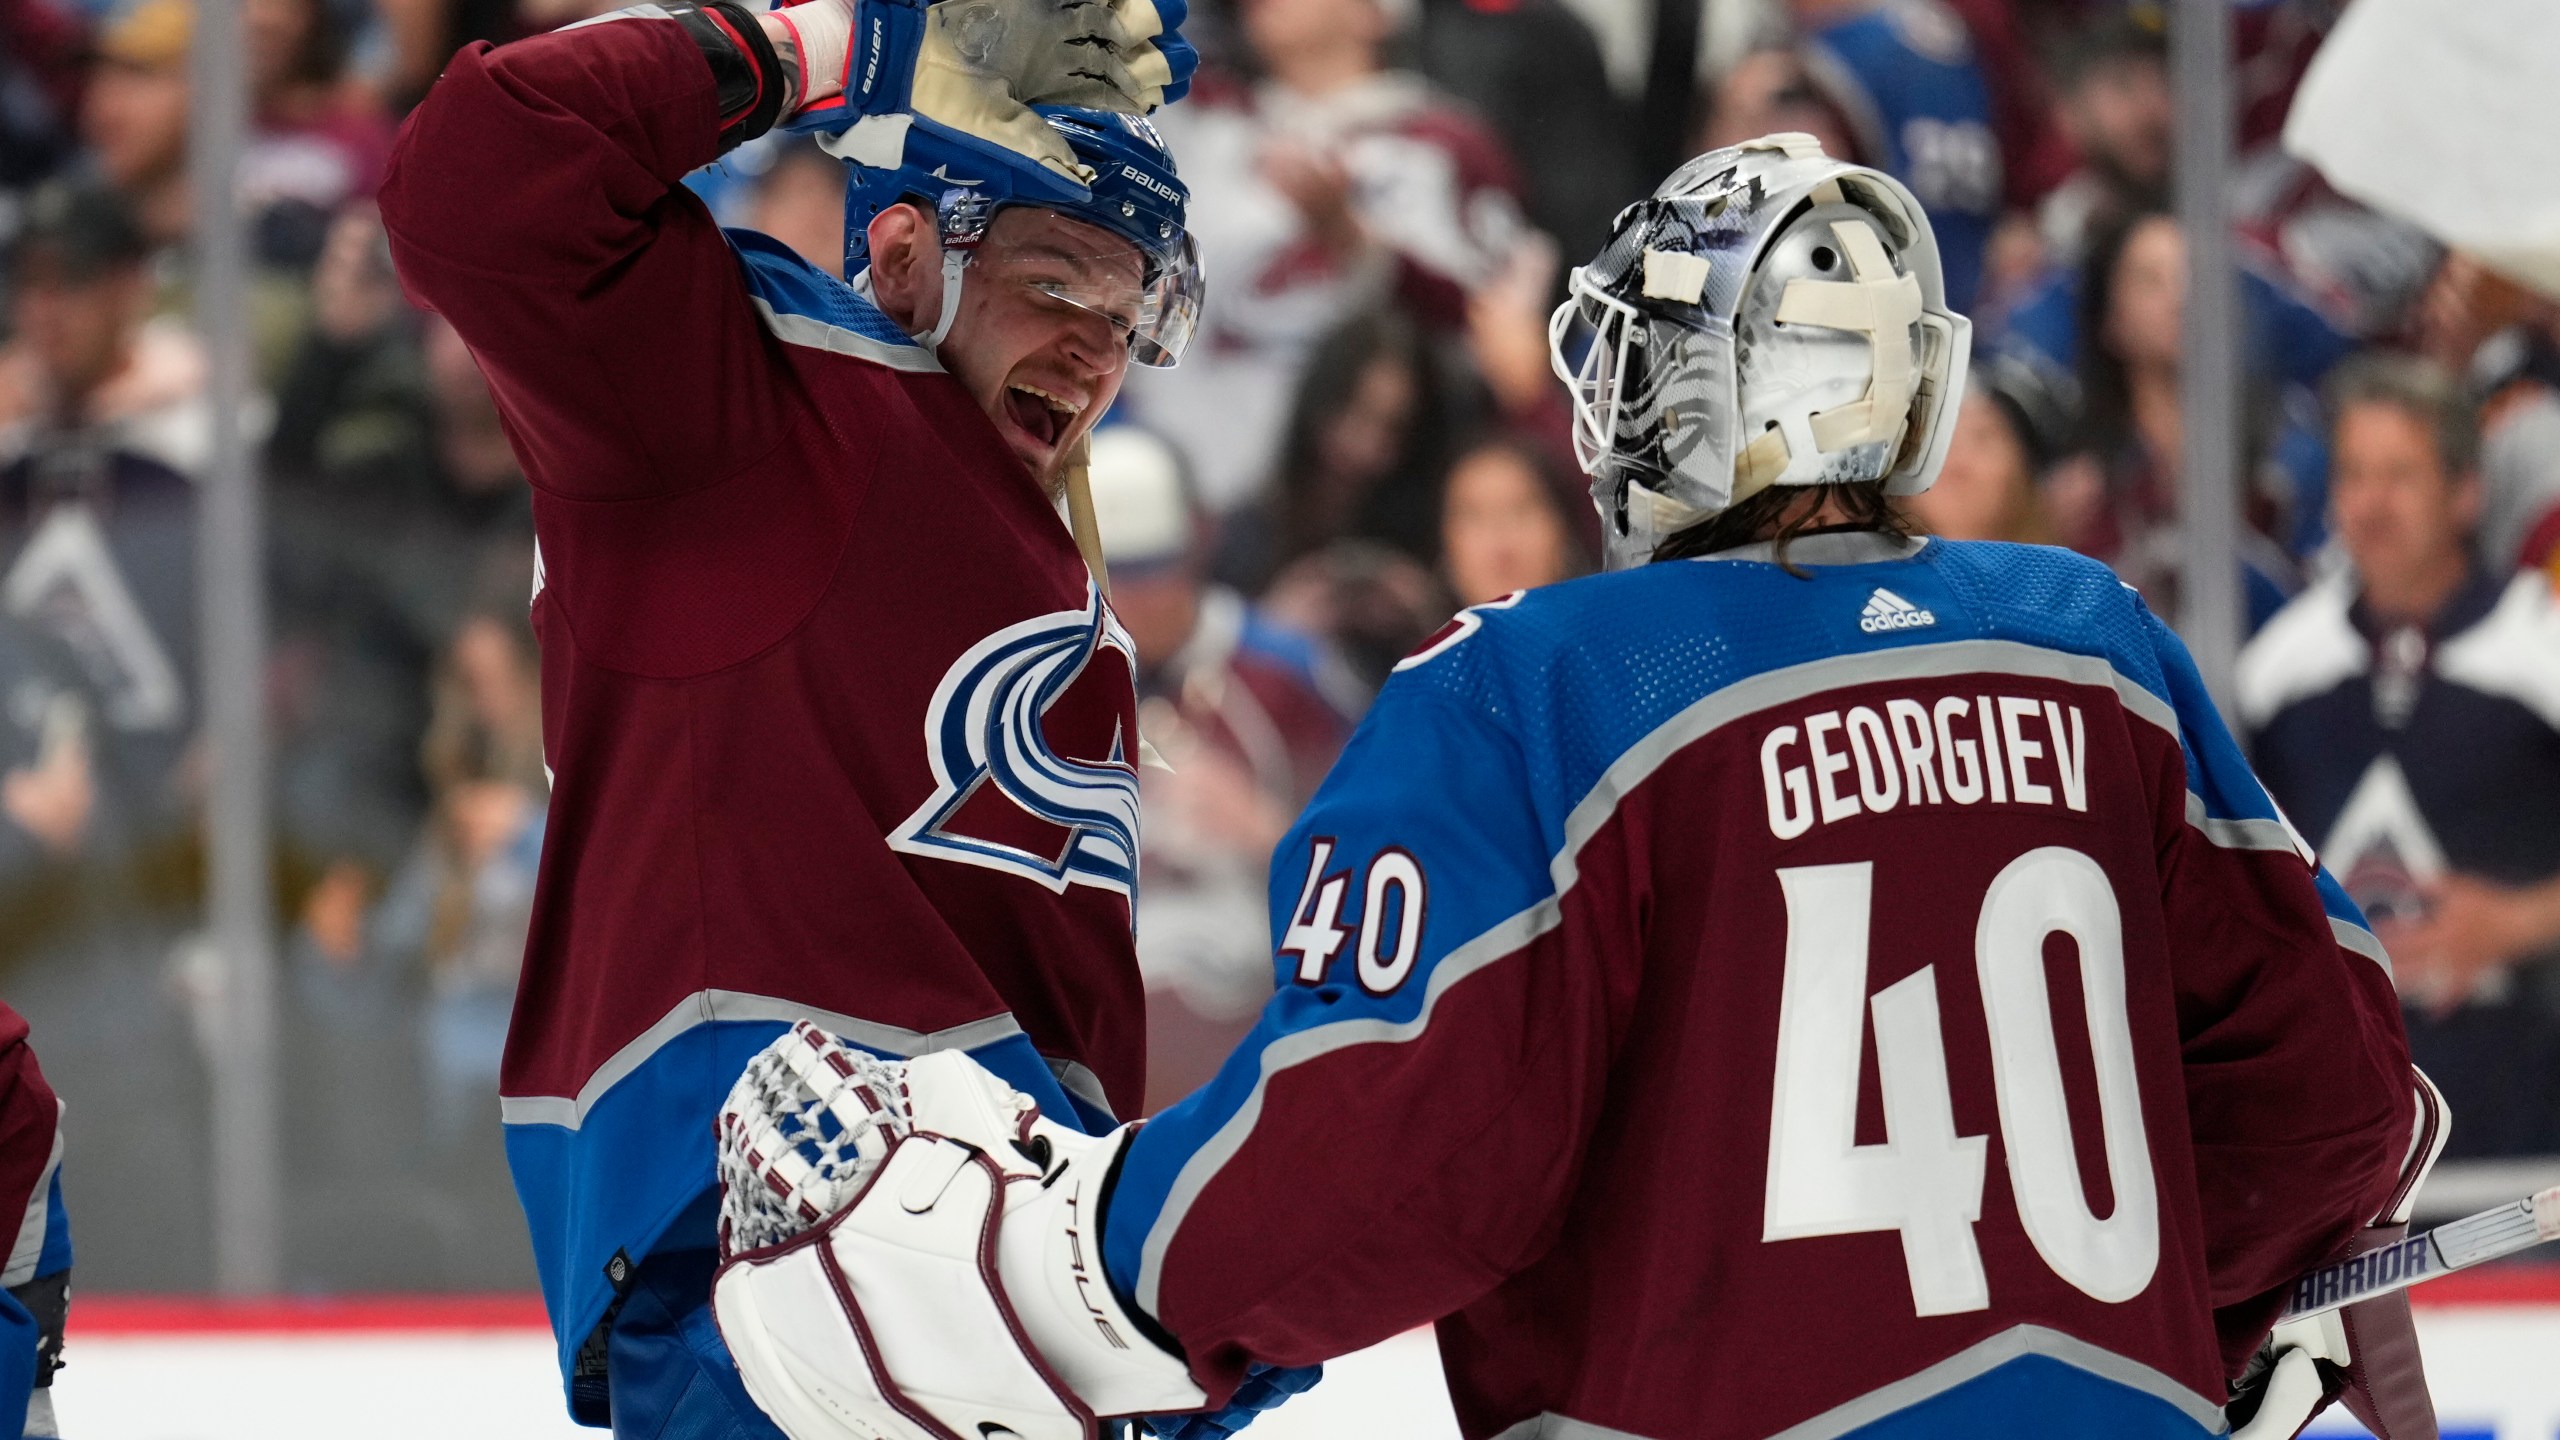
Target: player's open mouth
(1039,414)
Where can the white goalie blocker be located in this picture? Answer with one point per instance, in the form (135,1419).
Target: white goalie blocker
(911,1252)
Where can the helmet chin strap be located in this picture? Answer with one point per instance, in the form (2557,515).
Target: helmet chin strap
(953,262)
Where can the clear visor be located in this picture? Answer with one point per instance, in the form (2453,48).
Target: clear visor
(1153,303)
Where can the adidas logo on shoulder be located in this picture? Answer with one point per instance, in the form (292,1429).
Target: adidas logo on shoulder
(1886,612)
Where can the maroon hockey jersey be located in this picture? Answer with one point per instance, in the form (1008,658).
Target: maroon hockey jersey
(34,1279)
(841,729)
(1871,1001)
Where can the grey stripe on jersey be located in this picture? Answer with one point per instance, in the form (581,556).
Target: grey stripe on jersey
(819,335)
(28,1248)
(1563,1427)
(1967,1364)
(704,1007)
(1080,1082)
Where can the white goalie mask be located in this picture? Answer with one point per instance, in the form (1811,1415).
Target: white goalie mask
(1769,316)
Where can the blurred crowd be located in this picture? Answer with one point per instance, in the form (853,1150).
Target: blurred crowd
(1364,438)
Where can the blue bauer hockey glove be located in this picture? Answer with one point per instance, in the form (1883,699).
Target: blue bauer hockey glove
(952,82)
(1264,1387)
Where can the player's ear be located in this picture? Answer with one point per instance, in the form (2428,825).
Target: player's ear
(906,266)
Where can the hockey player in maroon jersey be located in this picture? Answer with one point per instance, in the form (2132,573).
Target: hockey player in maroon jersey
(35,1275)
(841,726)
(1813,981)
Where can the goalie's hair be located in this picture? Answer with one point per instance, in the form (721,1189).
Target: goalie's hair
(1785,514)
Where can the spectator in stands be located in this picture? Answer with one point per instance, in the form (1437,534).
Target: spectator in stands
(1370,604)
(353,411)
(134,116)
(2007,433)
(2122,505)
(320,140)
(1362,456)
(1507,358)
(1234,706)
(1908,78)
(1503,524)
(41,46)
(800,202)
(459,908)
(49,792)
(1767,92)
(419,36)
(484,487)
(2406,716)
(2117,108)
(2035,149)
(398,1174)
(384,426)
(49,803)
(2498,335)
(1333,187)
(1532,68)
(96,524)
(97,546)
(381,404)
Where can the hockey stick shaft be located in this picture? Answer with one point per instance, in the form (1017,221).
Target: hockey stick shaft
(1081,522)
(2516,1226)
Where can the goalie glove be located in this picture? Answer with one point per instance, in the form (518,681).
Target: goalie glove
(959,1292)
(958,78)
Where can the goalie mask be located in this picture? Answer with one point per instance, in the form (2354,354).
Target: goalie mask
(1769,316)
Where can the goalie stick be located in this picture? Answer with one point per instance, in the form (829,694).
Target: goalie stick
(2516,1226)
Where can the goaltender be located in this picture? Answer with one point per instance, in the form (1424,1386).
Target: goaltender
(842,727)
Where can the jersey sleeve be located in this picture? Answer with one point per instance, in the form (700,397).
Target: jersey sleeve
(534,201)
(34,1288)
(2300,1098)
(1399,1132)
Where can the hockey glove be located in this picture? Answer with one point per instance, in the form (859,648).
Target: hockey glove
(2365,1355)
(952,82)
(1264,1388)
(958,1293)
(2297,1372)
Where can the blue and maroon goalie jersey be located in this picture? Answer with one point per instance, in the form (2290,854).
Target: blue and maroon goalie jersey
(1878,1001)
(840,729)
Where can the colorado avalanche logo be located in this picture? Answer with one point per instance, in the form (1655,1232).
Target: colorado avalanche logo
(986,728)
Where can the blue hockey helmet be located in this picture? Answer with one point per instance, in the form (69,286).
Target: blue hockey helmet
(1134,195)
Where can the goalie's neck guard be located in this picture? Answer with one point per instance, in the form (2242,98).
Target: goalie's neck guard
(1768,316)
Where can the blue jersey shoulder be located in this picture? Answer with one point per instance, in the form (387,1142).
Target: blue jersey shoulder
(1578,674)
(805,305)
(1669,633)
